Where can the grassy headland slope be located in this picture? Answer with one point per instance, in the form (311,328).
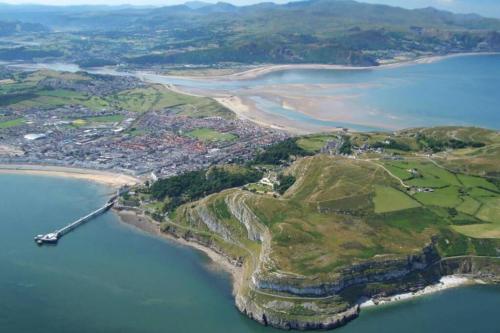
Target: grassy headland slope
(370,223)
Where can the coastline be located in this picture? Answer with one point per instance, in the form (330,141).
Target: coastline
(247,109)
(111,179)
(260,70)
(144,223)
(445,283)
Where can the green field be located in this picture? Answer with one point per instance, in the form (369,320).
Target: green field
(313,143)
(485,231)
(470,181)
(469,206)
(400,170)
(444,197)
(473,196)
(11,123)
(26,93)
(60,97)
(388,199)
(490,210)
(151,98)
(210,135)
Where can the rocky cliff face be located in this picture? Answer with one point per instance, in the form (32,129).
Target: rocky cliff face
(201,213)
(276,319)
(484,268)
(368,272)
(238,208)
(305,303)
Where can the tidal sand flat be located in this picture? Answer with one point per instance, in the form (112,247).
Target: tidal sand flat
(458,90)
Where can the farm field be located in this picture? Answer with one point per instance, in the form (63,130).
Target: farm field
(473,196)
(388,199)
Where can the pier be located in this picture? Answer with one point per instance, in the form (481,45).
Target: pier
(53,237)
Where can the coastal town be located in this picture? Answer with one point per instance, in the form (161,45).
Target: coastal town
(159,142)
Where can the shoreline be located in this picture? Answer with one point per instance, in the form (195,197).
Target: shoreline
(248,110)
(260,70)
(445,283)
(149,226)
(145,224)
(112,179)
(136,219)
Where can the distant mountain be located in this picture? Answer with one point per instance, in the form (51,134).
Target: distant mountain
(313,13)
(487,8)
(324,31)
(197,4)
(15,27)
(221,7)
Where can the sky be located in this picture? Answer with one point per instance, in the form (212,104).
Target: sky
(484,7)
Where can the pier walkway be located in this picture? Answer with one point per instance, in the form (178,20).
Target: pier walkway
(53,237)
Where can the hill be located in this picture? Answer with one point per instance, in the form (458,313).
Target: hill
(315,31)
(391,220)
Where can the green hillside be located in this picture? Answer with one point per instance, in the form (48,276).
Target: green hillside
(391,220)
(47,89)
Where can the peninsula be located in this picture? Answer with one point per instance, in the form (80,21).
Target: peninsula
(317,225)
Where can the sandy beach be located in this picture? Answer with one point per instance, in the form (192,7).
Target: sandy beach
(245,109)
(102,177)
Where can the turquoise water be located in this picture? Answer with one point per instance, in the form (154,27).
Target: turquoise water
(107,277)
(455,91)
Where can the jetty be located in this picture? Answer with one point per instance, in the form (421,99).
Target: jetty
(53,237)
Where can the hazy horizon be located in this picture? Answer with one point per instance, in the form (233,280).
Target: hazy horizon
(482,7)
